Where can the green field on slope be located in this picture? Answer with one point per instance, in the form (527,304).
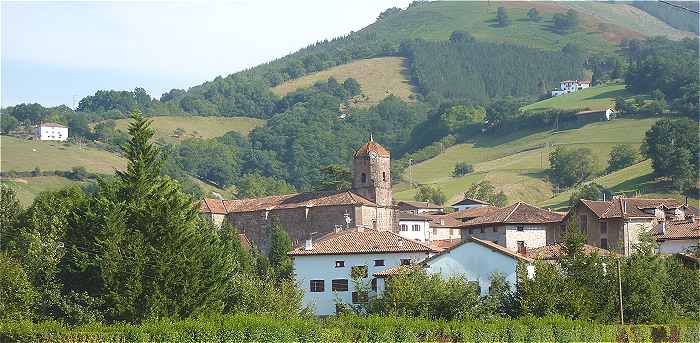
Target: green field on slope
(25,155)
(594,98)
(28,188)
(196,127)
(517,163)
(378,78)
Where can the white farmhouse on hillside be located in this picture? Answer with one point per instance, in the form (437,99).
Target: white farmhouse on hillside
(570,86)
(475,259)
(51,132)
(324,268)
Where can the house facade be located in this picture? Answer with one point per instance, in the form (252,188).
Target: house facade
(679,236)
(368,204)
(328,269)
(414,226)
(51,132)
(517,227)
(570,86)
(475,259)
(617,224)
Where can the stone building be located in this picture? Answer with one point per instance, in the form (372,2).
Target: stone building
(309,215)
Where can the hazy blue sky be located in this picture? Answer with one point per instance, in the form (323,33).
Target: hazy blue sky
(53,52)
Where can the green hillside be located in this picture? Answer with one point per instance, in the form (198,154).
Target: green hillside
(594,98)
(28,188)
(196,127)
(517,163)
(25,155)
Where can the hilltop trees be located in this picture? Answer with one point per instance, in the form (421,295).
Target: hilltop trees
(485,191)
(534,15)
(566,23)
(430,193)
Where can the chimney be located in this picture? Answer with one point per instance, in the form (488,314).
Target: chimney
(442,221)
(624,206)
(308,245)
(662,227)
(338,228)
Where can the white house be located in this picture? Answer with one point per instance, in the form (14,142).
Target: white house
(324,268)
(414,226)
(570,86)
(517,227)
(473,258)
(468,203)
(51,132)
(678,236)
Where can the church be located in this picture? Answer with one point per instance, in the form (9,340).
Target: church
(310,215)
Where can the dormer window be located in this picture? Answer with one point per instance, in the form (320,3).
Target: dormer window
(364,178)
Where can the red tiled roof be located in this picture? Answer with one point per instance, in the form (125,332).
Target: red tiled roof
(680,229)
(471,213)
(442,244)
(214,206)
(370,146)
(628,207)
(443,221)
(361,241)
(421,204)
(556,251)
(294,200)
(518,213)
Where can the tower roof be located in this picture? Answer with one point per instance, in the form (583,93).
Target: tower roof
(370,146)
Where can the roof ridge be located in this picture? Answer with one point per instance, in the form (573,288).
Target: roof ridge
(517,204)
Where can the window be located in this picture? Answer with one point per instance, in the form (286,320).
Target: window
(481,230)
(359,297)
(405,261)
(404,227)
(604,243)
(358,271)
(520,228)
(521,247)
(316,285)
(604,228)
(378,263)
(364,178)
(583,222)
(339,285)
(339,264)
(495,229)
(383,176)
(416,227)
(373,284)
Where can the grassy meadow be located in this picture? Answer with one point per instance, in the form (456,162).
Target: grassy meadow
(27,188)
(594,98)
(25,155)
(196,127)
(378,77)
(517,163)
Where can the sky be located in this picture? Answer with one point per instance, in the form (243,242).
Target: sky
(58,52)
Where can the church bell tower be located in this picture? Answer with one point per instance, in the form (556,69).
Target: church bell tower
(371,173)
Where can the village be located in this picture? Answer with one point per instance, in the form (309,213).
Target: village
(363,234)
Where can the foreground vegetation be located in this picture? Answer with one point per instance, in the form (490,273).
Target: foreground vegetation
(250,328)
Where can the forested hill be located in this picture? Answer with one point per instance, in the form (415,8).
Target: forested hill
(245,93)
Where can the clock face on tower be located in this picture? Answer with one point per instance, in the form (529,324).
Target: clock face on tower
(372,154)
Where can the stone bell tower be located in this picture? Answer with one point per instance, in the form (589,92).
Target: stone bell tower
(371,173)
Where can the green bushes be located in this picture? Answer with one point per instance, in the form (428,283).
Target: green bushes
(240,328)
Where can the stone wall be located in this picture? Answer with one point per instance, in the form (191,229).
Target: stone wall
(377,185)
(298,222)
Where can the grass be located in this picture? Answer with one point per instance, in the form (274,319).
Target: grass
(378,77)
(594,98)
(28,188)
(196,127)
(517,163)
(25,155)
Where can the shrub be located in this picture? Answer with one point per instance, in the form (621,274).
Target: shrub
(462,168)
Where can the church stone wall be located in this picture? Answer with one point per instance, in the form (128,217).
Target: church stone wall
(298,222)
(384,216)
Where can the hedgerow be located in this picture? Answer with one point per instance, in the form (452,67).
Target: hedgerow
(248,328)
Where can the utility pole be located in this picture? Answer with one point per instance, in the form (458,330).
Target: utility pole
(619,283)
(410,171)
